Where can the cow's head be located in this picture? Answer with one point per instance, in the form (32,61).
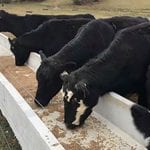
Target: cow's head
(48,77)
(79,99)
(21,53)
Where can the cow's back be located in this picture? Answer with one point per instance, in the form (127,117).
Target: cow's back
(33,21)
(91,39)
(120,22)
(128,55)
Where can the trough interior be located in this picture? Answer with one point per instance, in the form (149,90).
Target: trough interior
(95,134)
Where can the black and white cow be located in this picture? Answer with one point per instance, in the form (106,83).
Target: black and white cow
(19,25)
(120,68)
(49,37)
(92,39)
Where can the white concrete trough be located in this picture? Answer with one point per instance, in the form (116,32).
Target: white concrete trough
(113,111)
(4,44)
(30,131)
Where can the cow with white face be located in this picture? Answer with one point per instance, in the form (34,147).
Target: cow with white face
(78,102)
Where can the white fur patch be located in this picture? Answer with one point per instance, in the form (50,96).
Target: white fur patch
(69,95)
(147,141)
(80,111)
(64,73)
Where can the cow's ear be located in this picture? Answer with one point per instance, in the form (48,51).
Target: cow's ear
(81,86)
(64,76)
(12,42)
(43,56)
(71,65)
(114,26)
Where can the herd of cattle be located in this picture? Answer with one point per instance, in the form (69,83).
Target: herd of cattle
(85,58)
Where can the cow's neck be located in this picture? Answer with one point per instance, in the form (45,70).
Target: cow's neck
(103,71)
(75,53)
(16,24)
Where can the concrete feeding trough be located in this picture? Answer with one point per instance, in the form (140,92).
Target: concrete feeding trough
(109,127)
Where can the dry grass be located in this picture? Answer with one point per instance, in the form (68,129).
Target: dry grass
(103,8)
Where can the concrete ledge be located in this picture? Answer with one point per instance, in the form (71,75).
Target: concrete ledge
(28,128)
(4,41)
(34,61)
(117,110)
(4,46)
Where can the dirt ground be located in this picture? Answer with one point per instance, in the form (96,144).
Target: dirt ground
(103,8)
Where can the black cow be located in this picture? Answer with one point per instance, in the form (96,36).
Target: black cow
(19,25)
(120,68)
(141,121)
(92,39)
(49,37)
